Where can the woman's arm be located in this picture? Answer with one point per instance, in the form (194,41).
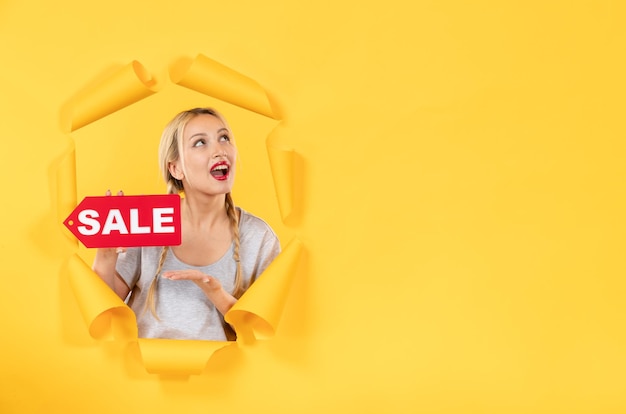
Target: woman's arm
(104,266)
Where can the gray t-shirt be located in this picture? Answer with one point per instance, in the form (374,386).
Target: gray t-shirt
(183,309)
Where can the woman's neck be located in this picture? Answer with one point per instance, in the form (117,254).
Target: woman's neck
(204,212)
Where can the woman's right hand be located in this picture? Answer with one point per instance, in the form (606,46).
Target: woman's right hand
(105,262)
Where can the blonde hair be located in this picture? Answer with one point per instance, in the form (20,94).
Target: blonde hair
(170,149)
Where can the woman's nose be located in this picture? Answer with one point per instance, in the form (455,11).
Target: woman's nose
(218,152)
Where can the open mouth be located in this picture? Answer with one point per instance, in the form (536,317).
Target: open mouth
(220,171)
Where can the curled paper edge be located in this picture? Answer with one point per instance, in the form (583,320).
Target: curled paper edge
(258,312)
(125,86)
(105,314)
(66,190)
(282,164)
(178,357)
(211,78)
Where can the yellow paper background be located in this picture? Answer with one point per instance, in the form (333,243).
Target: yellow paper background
(104,107)
(458,184)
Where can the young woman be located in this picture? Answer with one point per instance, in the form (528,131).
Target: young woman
(183,292)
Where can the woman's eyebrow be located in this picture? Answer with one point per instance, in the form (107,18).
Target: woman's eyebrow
(198,134)
(204,134)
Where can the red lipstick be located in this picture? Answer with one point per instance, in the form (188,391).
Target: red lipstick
(220,170)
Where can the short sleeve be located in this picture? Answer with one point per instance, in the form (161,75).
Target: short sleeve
(270,248)
(260,246)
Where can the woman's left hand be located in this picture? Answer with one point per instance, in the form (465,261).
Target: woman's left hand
(211,287)
(205,282)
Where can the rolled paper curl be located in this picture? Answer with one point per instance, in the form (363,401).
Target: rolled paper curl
(256,317)
(122,88)
(282,165)
(66,189)
(211,78)
(106,315)
(174,357)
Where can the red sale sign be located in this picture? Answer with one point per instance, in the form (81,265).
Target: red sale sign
(127,221)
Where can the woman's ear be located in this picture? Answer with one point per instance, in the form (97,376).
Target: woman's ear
(175,170)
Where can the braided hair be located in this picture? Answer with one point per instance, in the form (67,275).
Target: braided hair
(170,151)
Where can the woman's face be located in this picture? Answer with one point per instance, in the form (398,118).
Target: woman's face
(208,157)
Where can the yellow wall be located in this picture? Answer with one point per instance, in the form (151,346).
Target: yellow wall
(459,192)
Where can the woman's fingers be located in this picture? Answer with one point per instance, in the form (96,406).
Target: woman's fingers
(205,282)
(184,275)
(119,193)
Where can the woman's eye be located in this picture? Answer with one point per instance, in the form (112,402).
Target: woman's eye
(224,138)
(198,143)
